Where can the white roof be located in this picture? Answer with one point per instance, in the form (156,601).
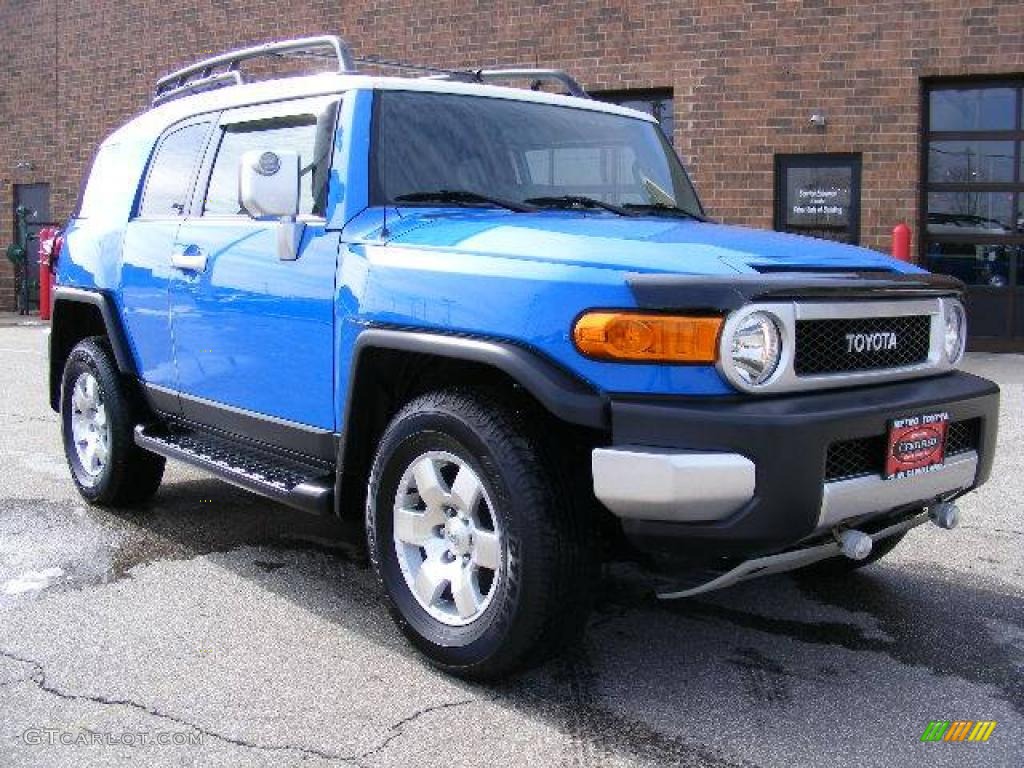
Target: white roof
(154,121)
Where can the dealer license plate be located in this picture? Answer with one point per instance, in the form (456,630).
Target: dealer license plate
(916,444)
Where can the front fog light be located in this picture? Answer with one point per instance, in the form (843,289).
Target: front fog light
(755,348)
(956,330)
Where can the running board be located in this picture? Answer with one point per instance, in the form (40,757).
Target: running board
(292,482)
(787,561)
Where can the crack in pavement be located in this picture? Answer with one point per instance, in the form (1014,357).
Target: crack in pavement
(17,680)
(38,677)
(988,528)
(396,728)
(21,417)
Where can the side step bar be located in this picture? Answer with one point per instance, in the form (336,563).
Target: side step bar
(303,486)
(789,561)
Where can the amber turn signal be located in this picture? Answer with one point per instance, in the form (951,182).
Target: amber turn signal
(638,336)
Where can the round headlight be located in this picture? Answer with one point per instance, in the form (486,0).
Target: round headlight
(755,348)
(956,330)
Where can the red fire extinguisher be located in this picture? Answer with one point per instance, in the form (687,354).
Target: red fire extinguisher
(901,242)
(50,242)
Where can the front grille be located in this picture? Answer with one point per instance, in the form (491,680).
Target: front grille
(845,345)
(866,455)
(963,436)
(855,458)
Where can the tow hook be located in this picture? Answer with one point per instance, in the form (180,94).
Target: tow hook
(856,545)
(945,514)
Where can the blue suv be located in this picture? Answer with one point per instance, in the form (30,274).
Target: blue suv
(496,325)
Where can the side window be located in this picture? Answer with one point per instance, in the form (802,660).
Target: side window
(170,174)
(297,134)
(111,184)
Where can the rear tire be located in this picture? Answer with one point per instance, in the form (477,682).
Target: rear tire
(98,417)
(481,552)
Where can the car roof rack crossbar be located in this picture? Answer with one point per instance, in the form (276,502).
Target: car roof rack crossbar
(204,75)
(223,70)
(438,72)
(538,76)
(209,83)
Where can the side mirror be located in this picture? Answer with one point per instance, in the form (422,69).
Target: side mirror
(268,183)
(268,188)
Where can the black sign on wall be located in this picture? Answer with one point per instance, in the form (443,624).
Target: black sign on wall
(818,195)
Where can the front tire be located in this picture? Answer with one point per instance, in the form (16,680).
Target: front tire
(480,550)
(98,419)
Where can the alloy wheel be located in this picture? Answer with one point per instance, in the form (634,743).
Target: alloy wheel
(90,429)
(447,538)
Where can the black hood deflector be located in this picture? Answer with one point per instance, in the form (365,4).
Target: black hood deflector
(724,293)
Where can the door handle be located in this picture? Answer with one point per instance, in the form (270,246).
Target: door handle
(189,258)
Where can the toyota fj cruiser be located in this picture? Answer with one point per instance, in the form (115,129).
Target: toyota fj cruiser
(495,324)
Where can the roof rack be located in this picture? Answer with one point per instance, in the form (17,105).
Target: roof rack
(208,83)
(376,61)
(536,75)
(202,75)
(222,70)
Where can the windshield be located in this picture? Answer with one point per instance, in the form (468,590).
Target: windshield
(519,151)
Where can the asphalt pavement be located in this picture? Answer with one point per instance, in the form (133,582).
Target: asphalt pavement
(216,628)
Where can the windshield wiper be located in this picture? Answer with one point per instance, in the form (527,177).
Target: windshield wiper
(664,209)
(462,197)
(576,201)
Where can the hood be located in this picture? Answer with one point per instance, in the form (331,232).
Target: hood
(635,244)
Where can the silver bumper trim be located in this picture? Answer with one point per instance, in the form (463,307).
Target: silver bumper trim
(786,561)
(671,486)
(849,499)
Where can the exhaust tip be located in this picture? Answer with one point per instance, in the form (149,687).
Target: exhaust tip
(945,514)
(856,545)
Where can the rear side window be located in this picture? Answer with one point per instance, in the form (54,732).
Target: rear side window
(170,175)
(296,134)
(112,182)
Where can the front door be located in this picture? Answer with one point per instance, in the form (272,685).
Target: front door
(148,239)
(254,333)
(36,198)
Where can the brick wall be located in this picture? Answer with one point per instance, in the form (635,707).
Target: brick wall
(746,75)
(27,131)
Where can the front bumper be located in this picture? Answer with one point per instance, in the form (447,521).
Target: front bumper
(739,477)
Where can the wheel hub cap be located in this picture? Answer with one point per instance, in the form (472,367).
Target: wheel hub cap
(89,428)
(447,538)
(459,534)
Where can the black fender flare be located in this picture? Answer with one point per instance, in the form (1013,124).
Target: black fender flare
(66,295)
(563,394)
(112,321)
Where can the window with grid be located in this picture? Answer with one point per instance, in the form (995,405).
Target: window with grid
(973,211)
